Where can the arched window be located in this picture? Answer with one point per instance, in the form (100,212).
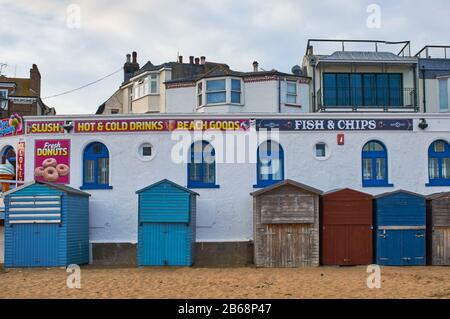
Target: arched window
(374,165)
(270,164)
(96,167)
(202,166)
(439,164)
(9,154)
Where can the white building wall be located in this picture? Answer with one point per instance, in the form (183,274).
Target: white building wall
(181,100)
(257,97)
(432,95)
(225,214)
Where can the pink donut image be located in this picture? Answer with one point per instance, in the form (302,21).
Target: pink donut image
(51,174)
(49,162)
(39,172)
(62,169)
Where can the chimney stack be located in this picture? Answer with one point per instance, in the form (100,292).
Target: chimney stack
(180,59)
(35,79)
(202,59)
(197,61)
(255,66)
(191,59)
(130,66)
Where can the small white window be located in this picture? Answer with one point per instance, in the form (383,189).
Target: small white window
(291,96)
(200,94)
(146,152)
(4,99)
(321,151)
(153,84)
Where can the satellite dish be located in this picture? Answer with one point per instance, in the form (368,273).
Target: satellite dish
(297,70)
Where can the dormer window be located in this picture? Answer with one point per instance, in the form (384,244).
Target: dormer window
(216,91)
(200,94)
(235,91)
(219,91)
(153,84)
(146,86)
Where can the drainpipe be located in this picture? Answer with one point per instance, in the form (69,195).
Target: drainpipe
(424,90)
(314,88)
(279,94)
(416,74)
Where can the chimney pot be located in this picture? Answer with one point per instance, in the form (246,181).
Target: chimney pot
(255,66)
(202,59)
(180,59)
(128,58)
(134,57)
(191,59)
(197,61)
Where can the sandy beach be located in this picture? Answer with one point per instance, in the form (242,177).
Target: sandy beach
(323,282)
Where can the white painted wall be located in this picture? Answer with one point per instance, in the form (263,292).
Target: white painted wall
(257,97)
(432,95)
(225,214)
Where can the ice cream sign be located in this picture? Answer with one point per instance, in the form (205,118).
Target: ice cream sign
(52,161)
(11,126)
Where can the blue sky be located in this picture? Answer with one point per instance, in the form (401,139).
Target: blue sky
(234,32)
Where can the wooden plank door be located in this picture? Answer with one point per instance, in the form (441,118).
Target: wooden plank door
(288,245)
(359,243)
(441,246)
(334,245)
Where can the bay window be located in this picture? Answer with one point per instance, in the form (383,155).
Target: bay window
(219,91)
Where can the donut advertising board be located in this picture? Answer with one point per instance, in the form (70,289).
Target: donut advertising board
(52,161)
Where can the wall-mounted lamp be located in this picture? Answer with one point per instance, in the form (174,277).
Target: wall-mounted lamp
(68,126)
(423,125)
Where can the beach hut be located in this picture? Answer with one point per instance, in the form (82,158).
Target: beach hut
(166,225)
(347,228)
(46,225)
(400,220)
(438,239)
(286,225)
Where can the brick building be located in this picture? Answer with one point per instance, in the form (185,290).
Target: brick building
(23,95)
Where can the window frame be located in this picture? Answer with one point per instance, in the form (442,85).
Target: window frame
(288,94)
(151,80)
(191,183)
(235,91)
(216,91)
(373,156)
(6,101)
(266,183)
(443,95)
(439,156)
(88,155)
(364,95)
(202,96)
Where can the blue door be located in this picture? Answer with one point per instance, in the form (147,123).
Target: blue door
(413,247)
(389,245)
(401,247)
(163,244)
(35,245)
